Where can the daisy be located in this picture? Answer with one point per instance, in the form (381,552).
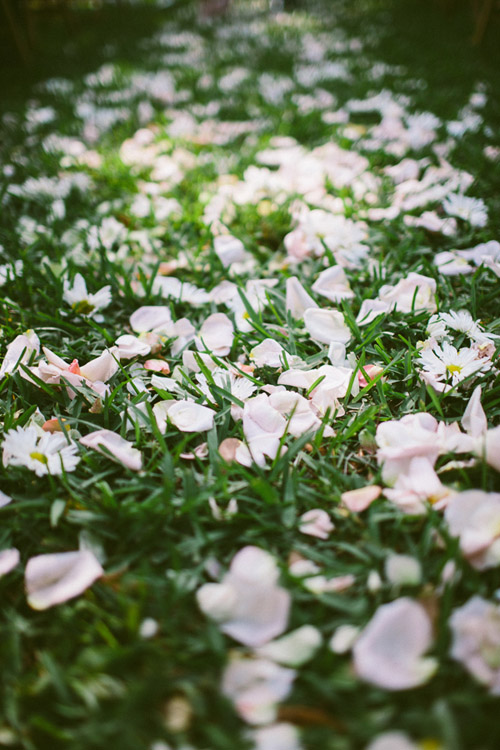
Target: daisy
(445,363)
(239,386)
(81,301)
(463,322)
(469,209)
(51,453)
(182,291)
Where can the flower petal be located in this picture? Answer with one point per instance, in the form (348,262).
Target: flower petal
(55,578)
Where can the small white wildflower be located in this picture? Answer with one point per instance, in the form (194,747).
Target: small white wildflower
(469,209)
(50,454)
(81,301)
(446,363)
(463,322)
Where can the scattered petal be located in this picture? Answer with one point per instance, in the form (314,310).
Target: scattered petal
(389,651)
(9,559)
(121,450)
(55,578)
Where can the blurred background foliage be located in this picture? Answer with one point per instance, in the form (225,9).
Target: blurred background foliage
(40,38)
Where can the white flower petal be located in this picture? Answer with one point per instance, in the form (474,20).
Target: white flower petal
(248,604)
(280,736)
(190,417)
(297,299)
(4,499)
(332,283)
(131,346)
(216,335)
(19,351)
(103,367)
(255,687)
(269,353)
(150,318)
(474,419)
(358,500)
(9,559)
(119,448)
(55,578)
(229,250)
(293,649)
(316,522)
(388,653)
(324,325)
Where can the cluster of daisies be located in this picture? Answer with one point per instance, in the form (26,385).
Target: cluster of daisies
(248,308)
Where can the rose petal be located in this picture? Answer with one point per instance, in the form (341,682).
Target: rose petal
(119,448)
(388,653)
(9,558)
(358,500)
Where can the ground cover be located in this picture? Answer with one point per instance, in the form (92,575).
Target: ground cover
(249,386)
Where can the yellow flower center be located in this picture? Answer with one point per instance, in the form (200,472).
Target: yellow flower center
(39,457)
(83,307)
(454,368)
(491,655)
(430,744)
(435,498)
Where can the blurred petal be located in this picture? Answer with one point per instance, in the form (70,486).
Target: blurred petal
(388,653)
(55,578)
(248,604)
(293,649)
(9,558)
(316,522)
(358,500)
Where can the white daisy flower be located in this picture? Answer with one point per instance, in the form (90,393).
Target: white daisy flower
(463,322)
(49,454)
(446,363)
(81,301)
(469,209)
(238,385)
(436,328)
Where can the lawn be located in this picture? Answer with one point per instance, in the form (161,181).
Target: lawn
(249,380)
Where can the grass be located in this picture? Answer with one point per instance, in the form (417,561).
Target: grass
(82,675)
